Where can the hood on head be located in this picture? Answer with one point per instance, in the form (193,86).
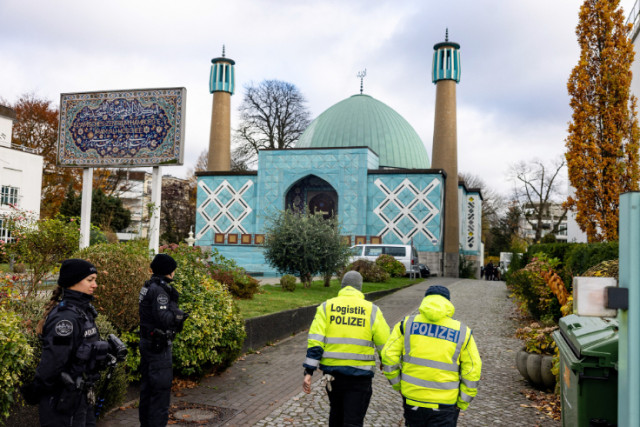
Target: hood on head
(436,307)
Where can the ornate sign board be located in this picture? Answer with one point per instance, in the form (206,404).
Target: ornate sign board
(128,128)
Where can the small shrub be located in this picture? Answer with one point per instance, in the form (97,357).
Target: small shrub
(237,282)
(288,283)
(391,265)
(122,270)
(466,268)
(537,338)
(213,334)
(369,270)
(19,268)
(14,351)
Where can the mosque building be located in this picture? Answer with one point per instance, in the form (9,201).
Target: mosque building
(359,160)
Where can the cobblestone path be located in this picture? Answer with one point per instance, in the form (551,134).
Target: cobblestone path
(265,388)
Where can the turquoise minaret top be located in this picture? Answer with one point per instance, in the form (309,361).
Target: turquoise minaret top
(446,61)
(222,77)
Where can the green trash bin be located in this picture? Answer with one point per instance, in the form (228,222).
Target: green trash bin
(588,370)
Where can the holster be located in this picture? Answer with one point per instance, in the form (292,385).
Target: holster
(69,399)
(159,340)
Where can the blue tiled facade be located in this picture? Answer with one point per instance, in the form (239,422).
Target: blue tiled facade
(400,207)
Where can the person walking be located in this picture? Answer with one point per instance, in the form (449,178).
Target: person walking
(342,342)
(72,352)
(433,361)
(160,320)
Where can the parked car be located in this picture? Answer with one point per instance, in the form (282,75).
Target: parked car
(406,254)
(424,270)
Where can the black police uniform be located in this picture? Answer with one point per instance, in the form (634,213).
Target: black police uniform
(160,319)
(72,356)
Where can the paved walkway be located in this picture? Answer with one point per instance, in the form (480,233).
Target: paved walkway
(265,389)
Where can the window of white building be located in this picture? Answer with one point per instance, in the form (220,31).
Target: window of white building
(8,195)
(5,234)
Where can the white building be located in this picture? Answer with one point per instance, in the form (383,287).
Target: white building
(551,215)
(20,174)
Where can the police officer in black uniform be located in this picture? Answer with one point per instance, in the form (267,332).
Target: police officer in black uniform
(72,351)
(160,320)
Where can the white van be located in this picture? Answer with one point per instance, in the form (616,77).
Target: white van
(406,254)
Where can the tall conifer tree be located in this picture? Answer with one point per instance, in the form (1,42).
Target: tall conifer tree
(602,145)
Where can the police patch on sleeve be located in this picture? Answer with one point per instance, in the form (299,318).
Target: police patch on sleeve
(64,328)
(163,299)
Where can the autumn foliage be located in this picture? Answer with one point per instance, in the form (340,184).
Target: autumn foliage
(36,127)
(602,145)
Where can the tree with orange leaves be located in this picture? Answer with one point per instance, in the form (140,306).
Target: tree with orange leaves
(36,127)
(602,145)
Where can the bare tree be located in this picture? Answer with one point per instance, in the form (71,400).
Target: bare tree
(536,189)
(272,115)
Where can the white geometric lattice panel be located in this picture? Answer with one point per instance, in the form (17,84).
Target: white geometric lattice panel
(406,216)
(231,208)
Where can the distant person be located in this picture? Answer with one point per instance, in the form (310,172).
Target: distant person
(433,361)
(342,342)
(481,271)
(160,320)
(489,271)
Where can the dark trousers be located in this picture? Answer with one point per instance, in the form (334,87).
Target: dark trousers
(83,416)
(417,416)
(155,386)
(349,398)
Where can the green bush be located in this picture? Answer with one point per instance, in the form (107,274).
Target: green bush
(391,265)
(369,270)
(288,283)
(586,255)
(528,286)
(234,278)
(214,332)
(14,351)
(122,270)
(466,268)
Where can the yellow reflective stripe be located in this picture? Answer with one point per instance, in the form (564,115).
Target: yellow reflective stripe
(465,397)
(374,309)
(463,334)
(354,341)
(451,385)
(349,356)
(407,336)
(317,337)
(386,368)
(470,384)
(452,367)
(311,362)
(363,367)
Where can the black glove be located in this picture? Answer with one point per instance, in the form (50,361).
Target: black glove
(181,316)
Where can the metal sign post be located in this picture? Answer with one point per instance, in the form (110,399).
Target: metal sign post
(629,320)
(85,209)
(156,199)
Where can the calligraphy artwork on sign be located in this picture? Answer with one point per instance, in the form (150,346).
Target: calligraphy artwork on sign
(122,128)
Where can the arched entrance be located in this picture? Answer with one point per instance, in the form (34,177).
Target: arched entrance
(314,193)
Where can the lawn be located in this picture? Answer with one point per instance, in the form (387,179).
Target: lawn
(273,299)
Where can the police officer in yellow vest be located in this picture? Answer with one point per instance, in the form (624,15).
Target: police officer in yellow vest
(433,361)
(343,339)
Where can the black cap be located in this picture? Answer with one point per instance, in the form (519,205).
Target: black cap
(74,270)
(438,290)
(163,265)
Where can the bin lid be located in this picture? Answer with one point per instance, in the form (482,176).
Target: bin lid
(591,336)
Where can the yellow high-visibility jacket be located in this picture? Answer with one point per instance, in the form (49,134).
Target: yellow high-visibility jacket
(344,335)
(433,359)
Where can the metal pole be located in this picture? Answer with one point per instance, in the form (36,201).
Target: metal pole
(629,320)
(85,208)
(156,199)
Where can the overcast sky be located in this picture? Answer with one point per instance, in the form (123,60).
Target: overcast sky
(512,98)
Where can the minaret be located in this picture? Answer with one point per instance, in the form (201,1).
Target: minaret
(221,85)
(445,75)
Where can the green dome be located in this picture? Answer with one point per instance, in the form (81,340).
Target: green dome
(363,121)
